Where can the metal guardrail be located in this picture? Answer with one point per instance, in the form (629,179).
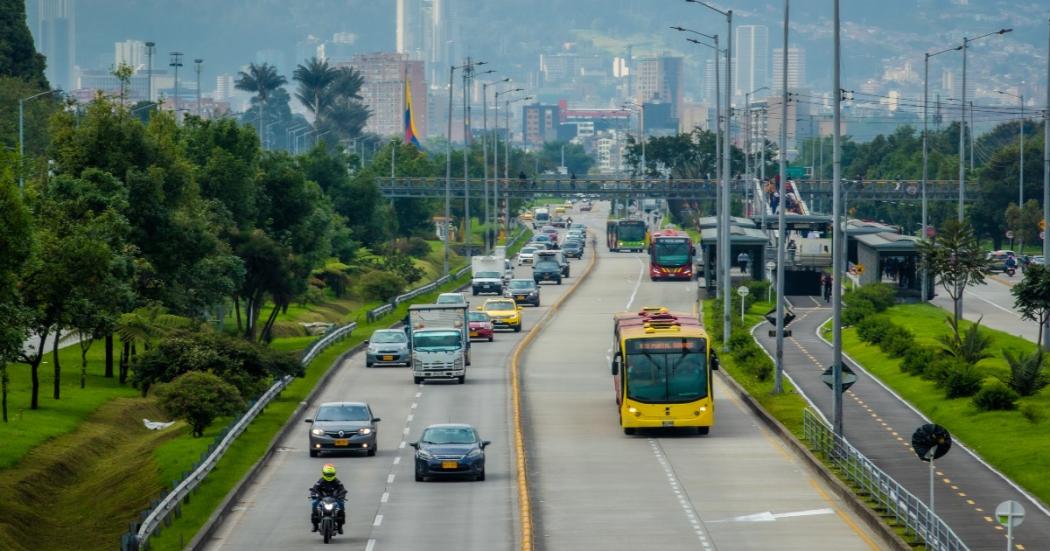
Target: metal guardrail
(138,537)
(891,499)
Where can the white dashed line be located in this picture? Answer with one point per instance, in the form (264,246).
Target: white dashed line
(371,545)
(390,478)
(401,445)
(690,512)
(410,418)
(378,521)
(418,394)
(405,430)
(415,405)
(385,497)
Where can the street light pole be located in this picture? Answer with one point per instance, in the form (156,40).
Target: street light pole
(782,202)
(838,241)
(149,70)
(176,62)
(22,133)
(926,155)
(197,65)
(1046,173)
(448,168)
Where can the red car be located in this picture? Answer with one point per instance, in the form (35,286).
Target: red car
(480,325)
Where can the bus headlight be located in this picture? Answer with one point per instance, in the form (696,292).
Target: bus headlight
(633,410)
(703,409)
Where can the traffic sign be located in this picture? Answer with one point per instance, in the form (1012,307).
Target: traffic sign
(796,172)
(771,265)
(1009,234)
(1010,513)
(1042,224)
(848,377)
(743,291)
(1042,235)
(931,442)
(860,269)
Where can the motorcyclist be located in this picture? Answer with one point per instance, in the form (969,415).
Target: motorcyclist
(1011,263)
(328,486)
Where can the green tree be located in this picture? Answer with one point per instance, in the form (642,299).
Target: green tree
(16,239)
(956,258)
(123,72)
(1024,222)
(263,80)
(577,161)
(18,55)
(199,398)
(1032,296)
(315,79)
(344,115)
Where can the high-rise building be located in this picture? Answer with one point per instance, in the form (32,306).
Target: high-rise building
(540,124)
(383,91)
(796,68)
(56,39)
(131,53)
(659,78)
(410,23)
(752,59)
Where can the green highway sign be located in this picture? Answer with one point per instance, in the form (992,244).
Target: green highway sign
(796,172)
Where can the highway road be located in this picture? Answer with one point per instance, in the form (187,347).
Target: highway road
(387,508)
(993,304)
(595,488)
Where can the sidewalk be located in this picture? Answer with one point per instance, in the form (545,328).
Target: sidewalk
(880,425)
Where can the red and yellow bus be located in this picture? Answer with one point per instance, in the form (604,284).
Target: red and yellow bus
(671,254)
(662,371)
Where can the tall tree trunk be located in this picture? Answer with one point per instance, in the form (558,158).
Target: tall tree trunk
(34,371)
(237,309)
(109,356)
(58,367)
(85,345)
(268,327)
(3,389)
(125,359)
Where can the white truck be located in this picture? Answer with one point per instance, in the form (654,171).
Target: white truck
(487,274)
(541,216)
(439,337)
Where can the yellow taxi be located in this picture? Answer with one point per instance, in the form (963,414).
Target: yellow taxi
(559,210)
(505,313)
(526,216)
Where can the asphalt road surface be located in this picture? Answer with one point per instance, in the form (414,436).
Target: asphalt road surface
(387,508)
(595,488)
(993,304)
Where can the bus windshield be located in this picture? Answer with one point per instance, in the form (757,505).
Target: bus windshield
(666,370)
(631,232)
(671,252)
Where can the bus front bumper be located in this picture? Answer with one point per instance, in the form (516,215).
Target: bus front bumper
(698,418)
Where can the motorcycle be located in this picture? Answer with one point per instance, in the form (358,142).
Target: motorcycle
(327,512)
(1010,271)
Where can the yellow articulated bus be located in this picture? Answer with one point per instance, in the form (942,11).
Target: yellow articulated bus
(662,371)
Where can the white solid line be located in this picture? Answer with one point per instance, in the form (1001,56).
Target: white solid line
(371,545)
(378,521)
(397,460)
(385,497)
(637,284)
(390,478)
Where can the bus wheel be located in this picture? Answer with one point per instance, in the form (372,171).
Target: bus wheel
(703,430)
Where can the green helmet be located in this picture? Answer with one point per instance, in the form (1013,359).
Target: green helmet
(328,472)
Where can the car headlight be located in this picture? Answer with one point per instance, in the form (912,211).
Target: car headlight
(317,432)
(476,452)
(424,454)
(365,431)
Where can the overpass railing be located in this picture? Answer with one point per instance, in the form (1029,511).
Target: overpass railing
(889,498)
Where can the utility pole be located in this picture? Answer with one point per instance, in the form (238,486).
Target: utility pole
(1046,173)
(149,70)
(838,239)
(448,168)
(197,65)
(176,62)
(778,379)
(468,72)
(926,154)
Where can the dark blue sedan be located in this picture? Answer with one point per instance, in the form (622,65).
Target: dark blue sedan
(450,450)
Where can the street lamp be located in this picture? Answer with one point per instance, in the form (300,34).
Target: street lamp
(448,154)
(468,77)
(495,149)
(641,129)
(176,62)
(1020,133)
(724,248)
(490,239)
(925,153)
(21,132)
(506,156)
(197,65)
(149,70)
(962,118)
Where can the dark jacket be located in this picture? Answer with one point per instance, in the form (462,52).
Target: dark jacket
(324,488)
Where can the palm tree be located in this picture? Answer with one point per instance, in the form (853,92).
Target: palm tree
(315,79)
(345,115)
(261,79)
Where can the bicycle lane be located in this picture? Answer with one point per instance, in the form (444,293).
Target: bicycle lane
(880,424)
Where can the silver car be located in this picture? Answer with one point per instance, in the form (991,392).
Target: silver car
(388,347)
(343,426)
(526,254)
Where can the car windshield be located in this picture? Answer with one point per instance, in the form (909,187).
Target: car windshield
(449,435)
(343,413)
(450,299)
(521,284)
(492,275)
(478,316)
(388,336)
(498,305)
(528,250)
(437,340)
(541,238)
(571,245)
(666,370)
(547,265)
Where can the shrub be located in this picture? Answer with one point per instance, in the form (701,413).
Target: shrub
(740,340)
(403,266)
(995,396)
(1026,372)
(918,359)
(897,341)
(413,246)
(383,286)
(872,329)
(970,346)
(199,397)
(1033,413)
(759,366)
(962,381)
(880,295)
(857,310)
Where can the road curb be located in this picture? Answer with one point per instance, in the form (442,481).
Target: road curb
(526,525)
(844,492)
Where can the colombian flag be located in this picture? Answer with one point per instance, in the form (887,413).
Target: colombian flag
(411,134)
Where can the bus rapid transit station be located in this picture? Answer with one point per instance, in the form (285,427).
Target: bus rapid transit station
(662,371)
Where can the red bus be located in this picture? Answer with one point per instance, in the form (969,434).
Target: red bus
(671,255)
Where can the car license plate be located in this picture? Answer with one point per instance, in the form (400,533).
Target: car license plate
(668,423)
(449,465)
(519,297)
(473,333)
(342,441)
(387,358)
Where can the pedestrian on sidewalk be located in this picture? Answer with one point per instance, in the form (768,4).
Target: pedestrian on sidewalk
(742,260)
(825,286)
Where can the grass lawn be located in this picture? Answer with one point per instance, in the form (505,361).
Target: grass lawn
(1006,439)
(256,438)
(786,407)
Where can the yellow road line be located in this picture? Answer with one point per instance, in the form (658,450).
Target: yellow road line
(845,517)
(524,503)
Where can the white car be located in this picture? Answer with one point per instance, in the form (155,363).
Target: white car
(526,254)
(452,298)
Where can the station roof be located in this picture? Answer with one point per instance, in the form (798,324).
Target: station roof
(862,227)
(796,221)
(737,236)
(712,222)
(889,242)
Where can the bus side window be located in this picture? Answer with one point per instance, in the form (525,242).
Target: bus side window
(714,360)
(616,364)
